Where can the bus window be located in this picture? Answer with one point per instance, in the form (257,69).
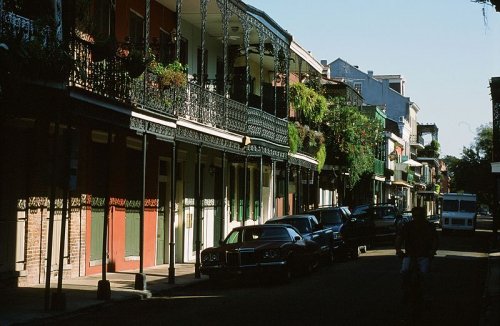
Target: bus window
(468,206)
(450,205)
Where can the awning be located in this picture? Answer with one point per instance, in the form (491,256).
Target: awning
(411,162)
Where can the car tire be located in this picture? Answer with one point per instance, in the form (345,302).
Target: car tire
(330,258)
(362,249)
(354,253)
(286,274)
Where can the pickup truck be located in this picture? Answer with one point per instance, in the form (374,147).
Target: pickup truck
(310,229)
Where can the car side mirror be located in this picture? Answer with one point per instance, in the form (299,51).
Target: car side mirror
(353,219)
(221,242)
(319,226)
(296,238)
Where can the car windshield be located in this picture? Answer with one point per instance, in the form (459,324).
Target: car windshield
(301,224)
(258,233)
(360,210)
(331,217)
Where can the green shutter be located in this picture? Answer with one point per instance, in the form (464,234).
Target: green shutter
(132,232)
(96,229)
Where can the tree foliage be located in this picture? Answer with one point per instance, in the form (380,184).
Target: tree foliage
(472,171)
(351,138)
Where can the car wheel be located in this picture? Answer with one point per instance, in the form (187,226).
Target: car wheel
(362,249)
(330,257)
(286,274)
(354,252)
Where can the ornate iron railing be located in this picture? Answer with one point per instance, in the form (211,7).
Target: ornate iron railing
(264,125)
(106,78)
(15,24)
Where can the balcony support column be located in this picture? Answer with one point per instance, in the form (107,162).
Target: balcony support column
(261,182)
(173,190)
(178,10)
(299,190)
(245,191)
(223,197)
(198,203)
(140,278)
(287,174)
(203,9)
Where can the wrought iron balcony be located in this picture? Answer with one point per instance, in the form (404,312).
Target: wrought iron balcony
(109,79)
(267,126)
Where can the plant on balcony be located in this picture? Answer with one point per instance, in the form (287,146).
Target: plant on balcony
(294,139)
(103,48)
(307,101)
(313,142)
(172,75)
(136,62)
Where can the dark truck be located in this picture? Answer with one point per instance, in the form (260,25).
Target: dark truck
(374,223)
(338,219)
(310,229)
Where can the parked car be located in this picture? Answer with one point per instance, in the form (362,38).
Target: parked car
(259,250)
(435,219)
(337,219)
(374,223)
(311,229)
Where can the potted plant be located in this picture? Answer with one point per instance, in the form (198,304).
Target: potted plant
(172,75)
(136,62)
(103,48)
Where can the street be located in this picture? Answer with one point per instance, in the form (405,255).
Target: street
(361,292)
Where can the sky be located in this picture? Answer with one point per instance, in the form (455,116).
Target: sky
(446,50)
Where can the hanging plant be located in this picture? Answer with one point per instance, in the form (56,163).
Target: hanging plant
(136,62)
(103,48)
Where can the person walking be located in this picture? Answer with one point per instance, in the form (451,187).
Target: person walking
(420,242)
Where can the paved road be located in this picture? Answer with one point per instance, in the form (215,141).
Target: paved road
(361,292)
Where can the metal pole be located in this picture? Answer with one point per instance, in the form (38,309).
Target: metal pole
(58,298)
(245,191)
(104,286)
(299,190)
(287,173)
(273,165)
(140,278)
(173,189)
(223,197)
(51,217)
(197,264)
(261,181)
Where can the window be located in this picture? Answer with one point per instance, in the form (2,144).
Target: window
(357,87)
(136,29)
(167,48)
(450,205)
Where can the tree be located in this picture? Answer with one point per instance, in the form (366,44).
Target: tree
(351,138)
(472,171)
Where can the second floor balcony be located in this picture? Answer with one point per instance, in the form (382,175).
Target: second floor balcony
(203,103)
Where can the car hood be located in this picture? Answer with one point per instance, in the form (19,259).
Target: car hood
(333,227)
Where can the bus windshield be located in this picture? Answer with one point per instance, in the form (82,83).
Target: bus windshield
(450,205)
(467,206)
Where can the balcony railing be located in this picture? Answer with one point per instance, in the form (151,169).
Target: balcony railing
(264,125)
(15,24)
(110,80)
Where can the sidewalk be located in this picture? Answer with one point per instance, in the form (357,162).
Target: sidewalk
(18,305)
(491,311)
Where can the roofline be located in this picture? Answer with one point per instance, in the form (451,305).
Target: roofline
(306,55)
